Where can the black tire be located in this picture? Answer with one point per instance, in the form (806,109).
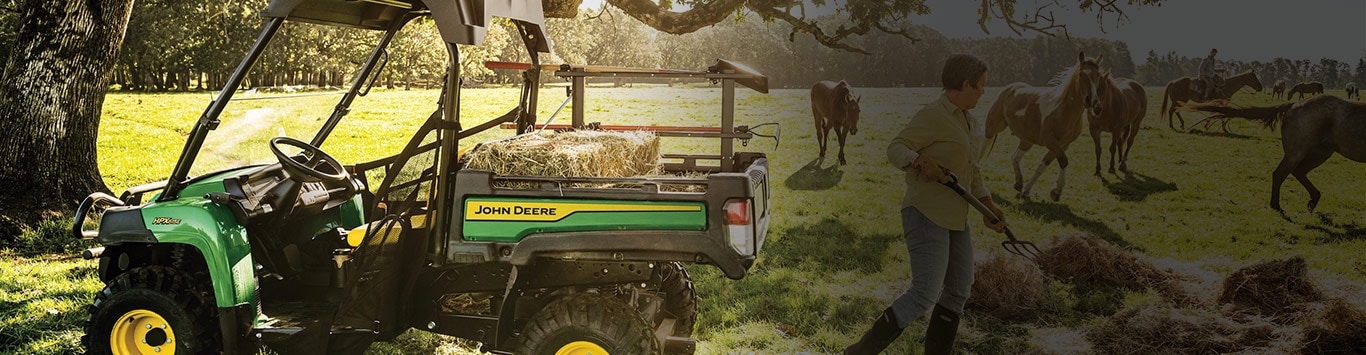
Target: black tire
(145,296)
(603,321)
(680,298)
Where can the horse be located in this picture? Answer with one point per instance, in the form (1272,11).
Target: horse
(1278,89)
(834,107)
(1311,131)
(1179,91)
(1046,116)
(1352,91)
(1122,105)
(1310,88)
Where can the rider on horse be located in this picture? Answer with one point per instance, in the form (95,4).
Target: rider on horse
(1210,81)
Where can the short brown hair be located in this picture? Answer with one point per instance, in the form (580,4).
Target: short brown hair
(962,67)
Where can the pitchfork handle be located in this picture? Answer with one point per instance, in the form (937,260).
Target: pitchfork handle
(981,207)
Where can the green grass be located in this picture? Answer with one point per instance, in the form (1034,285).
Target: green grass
(834,257)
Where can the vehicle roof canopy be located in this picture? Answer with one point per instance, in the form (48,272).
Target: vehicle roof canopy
(459,21)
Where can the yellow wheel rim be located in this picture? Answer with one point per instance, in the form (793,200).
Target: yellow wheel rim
(581,348)
(142,331)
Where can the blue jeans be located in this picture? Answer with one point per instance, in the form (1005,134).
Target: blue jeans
(941,267)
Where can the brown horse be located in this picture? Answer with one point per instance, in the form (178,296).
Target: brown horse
(1179,92)
(1352,91)
(1311,131)
(1046,116)
(834,107)
(1120,111)
(1278,89)
(1310,88)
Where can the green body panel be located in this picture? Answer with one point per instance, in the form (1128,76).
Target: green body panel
(509,231)
(213,230)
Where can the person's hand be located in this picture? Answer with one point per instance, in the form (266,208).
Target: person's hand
(1000,224)
(929,169)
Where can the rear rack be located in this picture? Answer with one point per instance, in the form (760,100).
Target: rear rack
(726,73)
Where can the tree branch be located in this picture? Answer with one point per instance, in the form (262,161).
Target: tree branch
(561,8)
(703,14)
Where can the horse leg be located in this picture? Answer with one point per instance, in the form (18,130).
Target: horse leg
(1095,140)
(821,132)
(1301,173)
(841,133)
(1015,163)
(1278,177)
(1047,159)
(1130,134)
(1056,194)
(1116,142)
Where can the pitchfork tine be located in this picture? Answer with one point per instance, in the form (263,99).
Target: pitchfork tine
(1019,247)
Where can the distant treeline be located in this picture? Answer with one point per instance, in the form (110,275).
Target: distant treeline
(176,45)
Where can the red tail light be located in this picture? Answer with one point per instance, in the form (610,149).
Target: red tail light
(737,213)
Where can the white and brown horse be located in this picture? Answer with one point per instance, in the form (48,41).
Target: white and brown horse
(834,107)
(1120,110)
(1046,116)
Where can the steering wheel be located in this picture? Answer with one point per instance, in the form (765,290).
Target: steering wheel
(310,165)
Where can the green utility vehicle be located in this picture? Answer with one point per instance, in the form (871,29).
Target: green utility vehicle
(312,255)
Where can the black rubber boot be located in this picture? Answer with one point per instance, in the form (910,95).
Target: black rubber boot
(940,332)
(883,332)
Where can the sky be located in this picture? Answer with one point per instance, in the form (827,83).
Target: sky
(1244,30)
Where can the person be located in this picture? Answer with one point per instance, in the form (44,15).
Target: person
(1209,74)
(943,134)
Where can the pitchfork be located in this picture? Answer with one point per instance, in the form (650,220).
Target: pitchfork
(1015,246)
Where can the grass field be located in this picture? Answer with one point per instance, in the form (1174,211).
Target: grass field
(834,257)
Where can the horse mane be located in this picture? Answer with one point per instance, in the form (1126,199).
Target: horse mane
(1268,115)
(1050,98)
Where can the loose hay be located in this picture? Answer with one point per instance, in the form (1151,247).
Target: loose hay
(1163,329)
(1335,328)
(1006,287)
(1273,288)
(1084,257)
(569,154)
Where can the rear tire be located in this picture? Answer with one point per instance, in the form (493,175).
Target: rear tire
(586,323)
(680,298)
(152,310)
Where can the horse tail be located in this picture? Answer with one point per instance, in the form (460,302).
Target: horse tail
(1268,116)
(1165,94)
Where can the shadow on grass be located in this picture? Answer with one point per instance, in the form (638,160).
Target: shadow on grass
(814,177)
(1061,213)
(828,246)
(1334,231)
(1135,187)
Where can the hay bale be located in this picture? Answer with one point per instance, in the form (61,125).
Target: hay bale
(1273,288)
(1085,257)
(1006,287)
(1335,327)
(570,154)
(1162,329)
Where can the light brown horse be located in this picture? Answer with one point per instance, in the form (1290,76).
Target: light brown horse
(834,107)
(1311,131)
(1278,89)
(1120,111)
(1310,88)
(1179,92)
(1046,116)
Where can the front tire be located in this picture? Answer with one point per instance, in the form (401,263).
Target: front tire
(151,310)
(587,323)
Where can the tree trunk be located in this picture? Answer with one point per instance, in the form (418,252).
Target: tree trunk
(51,92)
